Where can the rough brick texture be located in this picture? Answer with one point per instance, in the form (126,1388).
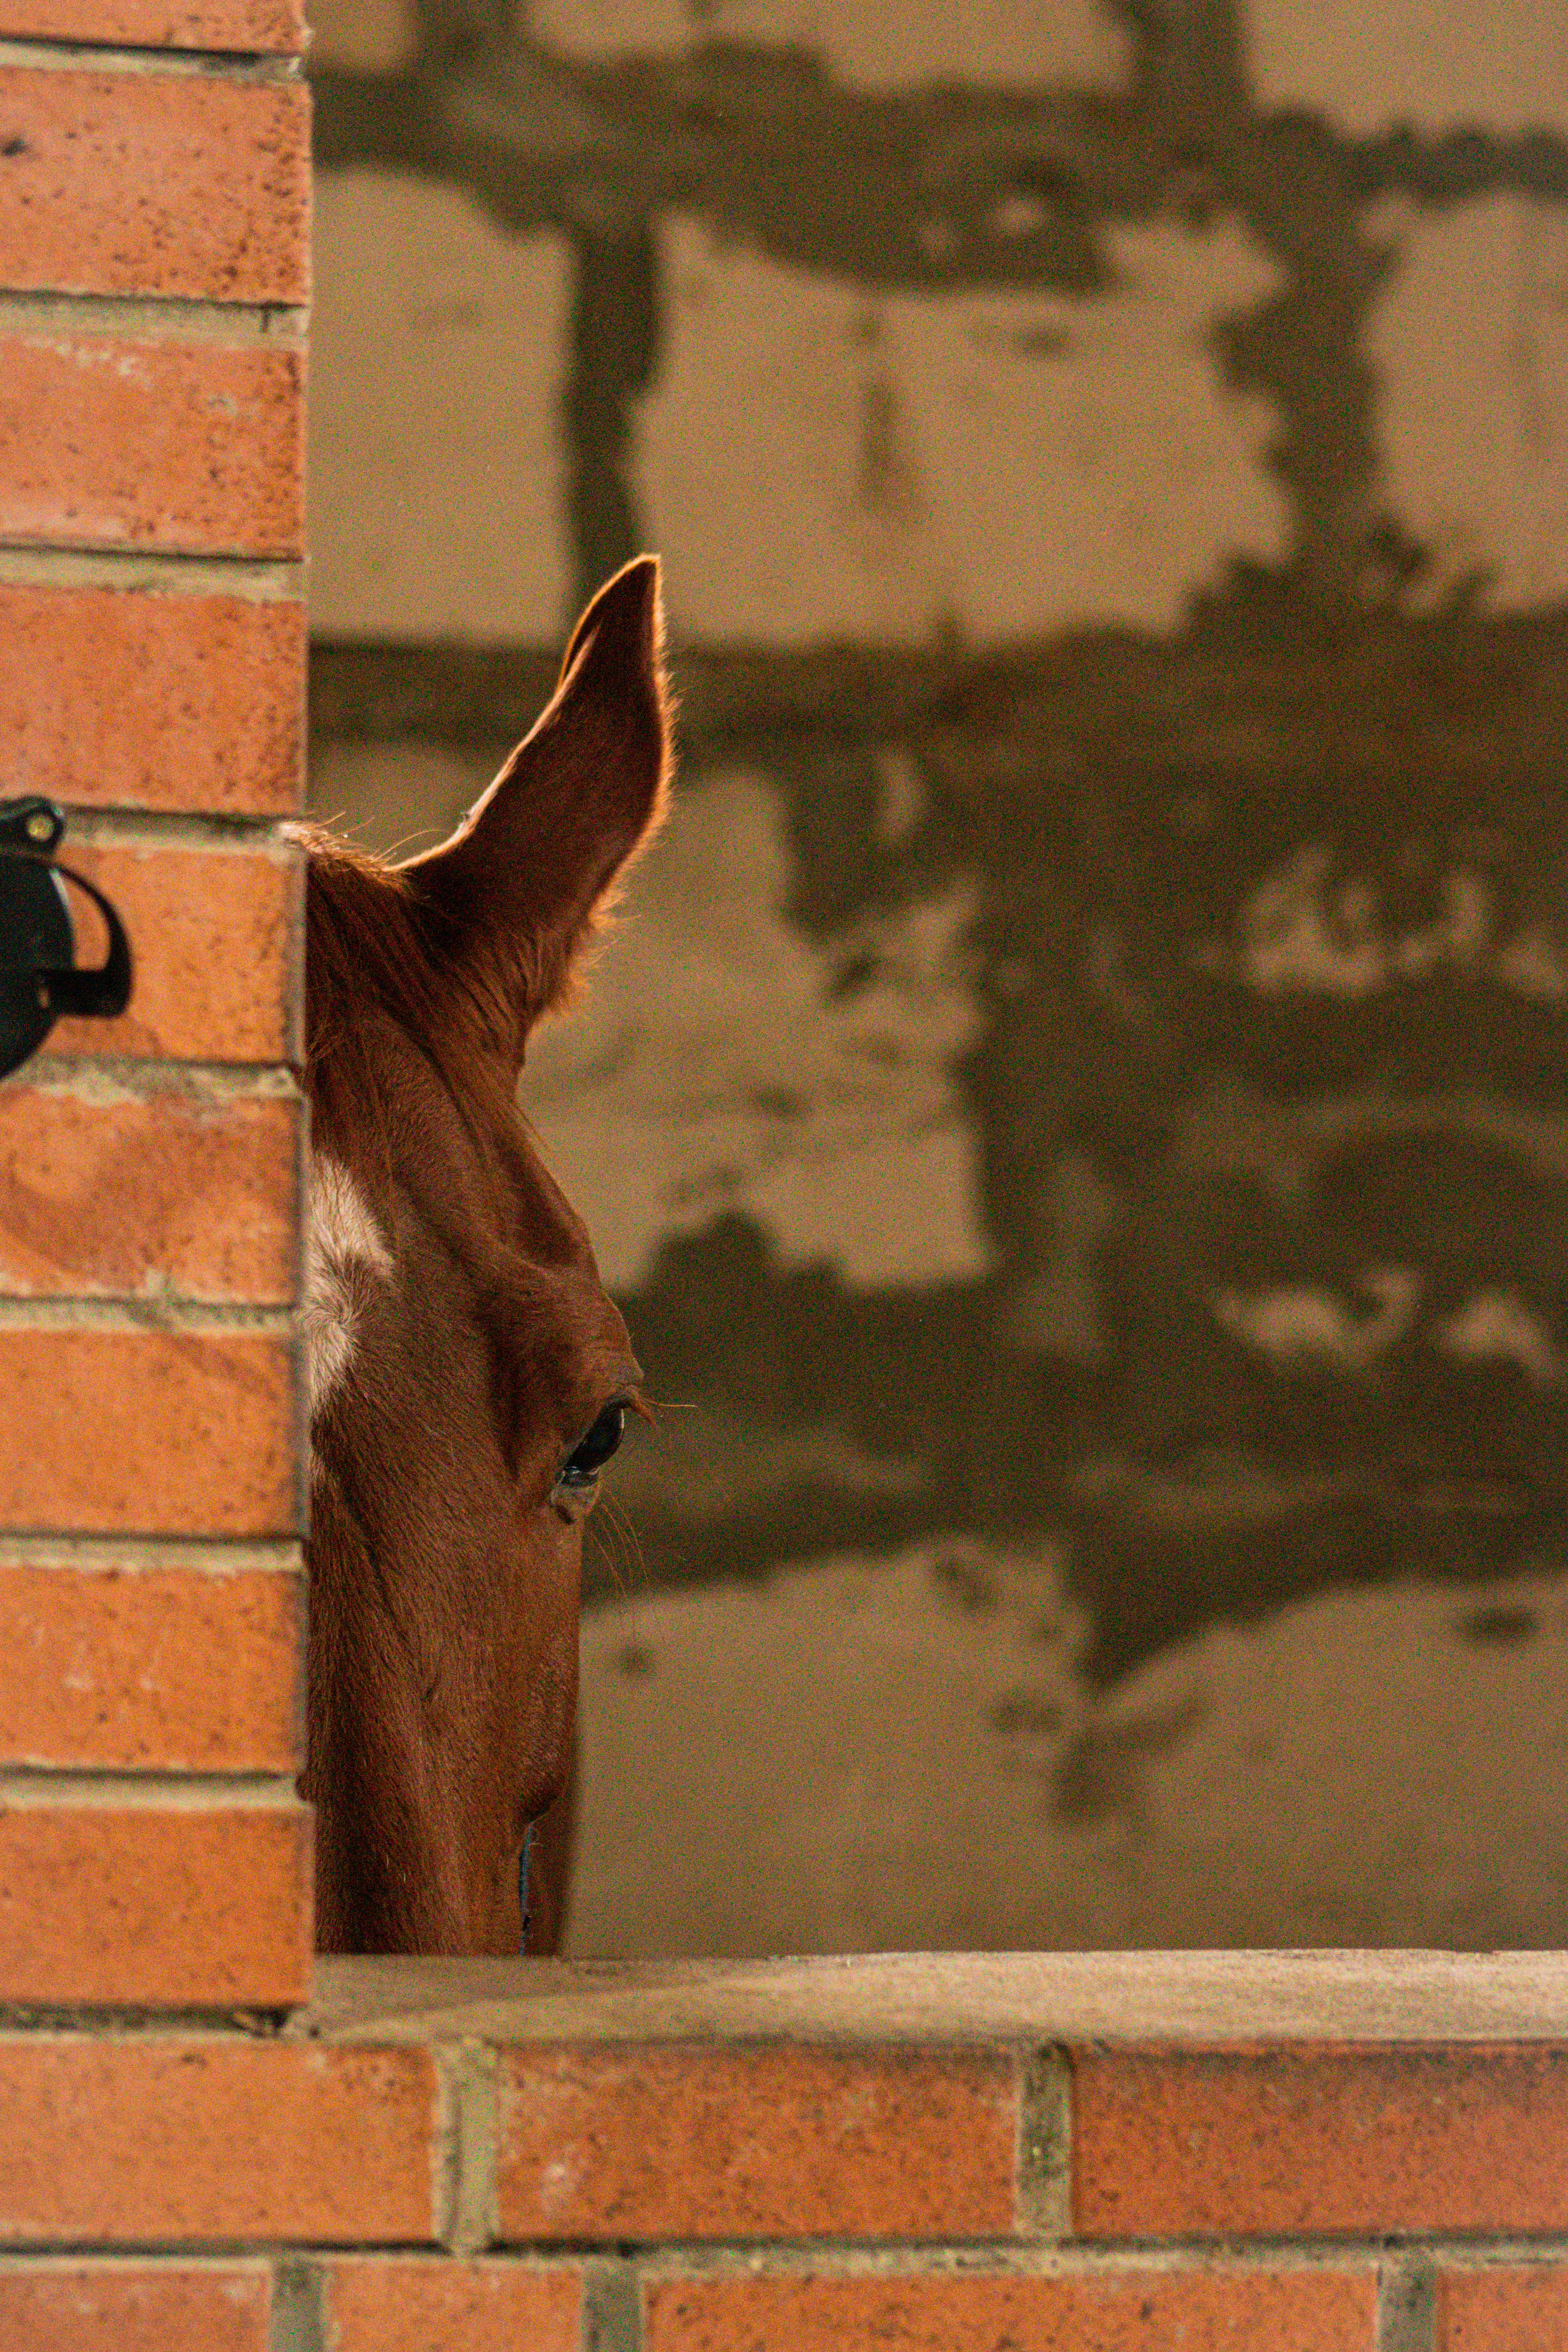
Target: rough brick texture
(147,183)
(143,699)
(1295,2142)
(211,2138)
(645,2143)
(155,252)
(247,24)
(107,1192)
(216,934)
(196,448)
(388,2305)
(199,1904)
(1497,2310)
(108,2307)
(156,1433)
(142,1669)
(338,2148)
(1142,2311)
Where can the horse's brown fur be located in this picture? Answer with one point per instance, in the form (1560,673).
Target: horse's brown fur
(445,1557)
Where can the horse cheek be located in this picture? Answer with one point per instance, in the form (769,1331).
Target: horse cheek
(552,1578)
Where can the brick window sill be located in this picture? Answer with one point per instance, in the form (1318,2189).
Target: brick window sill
(1060,2152)
(1327,2149)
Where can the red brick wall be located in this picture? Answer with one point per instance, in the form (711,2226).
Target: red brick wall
(154,265)
(1123,2153)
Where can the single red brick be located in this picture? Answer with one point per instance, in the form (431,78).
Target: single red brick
(384,2304)
(1314,2139)
(1137,2311)
(695,2141)
(252,26)
(1522,2309)
(154,183)
(150,1432)
(117,1194)
(196,448)
(108,2307)
(215,934)
(213,2137)
(154,1669)
(146,699)
(197,1905)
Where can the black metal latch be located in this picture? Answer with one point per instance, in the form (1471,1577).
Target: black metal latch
(39,977)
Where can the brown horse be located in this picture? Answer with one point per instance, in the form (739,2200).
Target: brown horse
(469,1377)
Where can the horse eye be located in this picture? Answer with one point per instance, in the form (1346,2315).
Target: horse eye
(597,1448)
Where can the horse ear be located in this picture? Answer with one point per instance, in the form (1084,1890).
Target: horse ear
(518,891)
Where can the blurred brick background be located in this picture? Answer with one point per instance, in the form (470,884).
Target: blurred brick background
(1078,1107)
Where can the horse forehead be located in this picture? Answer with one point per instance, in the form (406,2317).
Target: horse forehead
(344,1246)
(350,1252)
(341,1224)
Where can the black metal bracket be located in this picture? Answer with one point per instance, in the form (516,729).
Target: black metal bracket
(39,976)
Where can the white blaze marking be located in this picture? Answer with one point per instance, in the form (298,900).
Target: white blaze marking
(342,1236)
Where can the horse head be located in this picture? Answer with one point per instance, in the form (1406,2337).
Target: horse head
(467,1374)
